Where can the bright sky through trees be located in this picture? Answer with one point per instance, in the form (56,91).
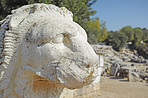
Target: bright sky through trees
(119,13)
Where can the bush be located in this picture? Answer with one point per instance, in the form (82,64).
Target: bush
(143,50)
(116,39)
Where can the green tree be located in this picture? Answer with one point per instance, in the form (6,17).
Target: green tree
(138,35)
(1,11)
(129,32)
(116,39)
(103,34)
(143,50)
(93,29)
(8,5)
(145,34)
(96,31)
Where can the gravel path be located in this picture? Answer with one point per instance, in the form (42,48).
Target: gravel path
(121,88)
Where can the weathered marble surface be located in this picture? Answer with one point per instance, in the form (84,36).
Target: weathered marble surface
(42,51)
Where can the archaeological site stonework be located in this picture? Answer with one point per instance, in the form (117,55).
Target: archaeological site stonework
(45,54)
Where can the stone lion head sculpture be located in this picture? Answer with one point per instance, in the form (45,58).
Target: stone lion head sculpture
(43,50)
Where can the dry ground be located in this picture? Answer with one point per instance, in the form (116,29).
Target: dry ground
(121,88)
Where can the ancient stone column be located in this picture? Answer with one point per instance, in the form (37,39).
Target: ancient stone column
(100,53)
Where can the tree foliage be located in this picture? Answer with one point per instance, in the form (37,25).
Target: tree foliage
(116,39)
(103,34)
(8,5)
(93,28)
(138,37)
(143,50)
(129,32)
(145,34)
(96,31)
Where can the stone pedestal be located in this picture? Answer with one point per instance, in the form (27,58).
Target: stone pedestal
(89,91)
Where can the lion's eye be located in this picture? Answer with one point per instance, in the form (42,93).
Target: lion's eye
(41,44)
(58,39)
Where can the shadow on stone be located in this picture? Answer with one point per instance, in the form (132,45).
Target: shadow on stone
(115,78)
(123,80)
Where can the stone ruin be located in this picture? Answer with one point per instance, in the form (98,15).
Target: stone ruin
(124,64)
(45,54)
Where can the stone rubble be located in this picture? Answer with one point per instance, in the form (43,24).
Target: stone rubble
(125,63)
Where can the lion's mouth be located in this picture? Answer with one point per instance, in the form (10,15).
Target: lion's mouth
(69,73)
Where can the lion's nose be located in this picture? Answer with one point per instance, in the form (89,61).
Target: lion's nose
(92,57)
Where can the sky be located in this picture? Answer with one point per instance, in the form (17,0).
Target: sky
(119,13)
